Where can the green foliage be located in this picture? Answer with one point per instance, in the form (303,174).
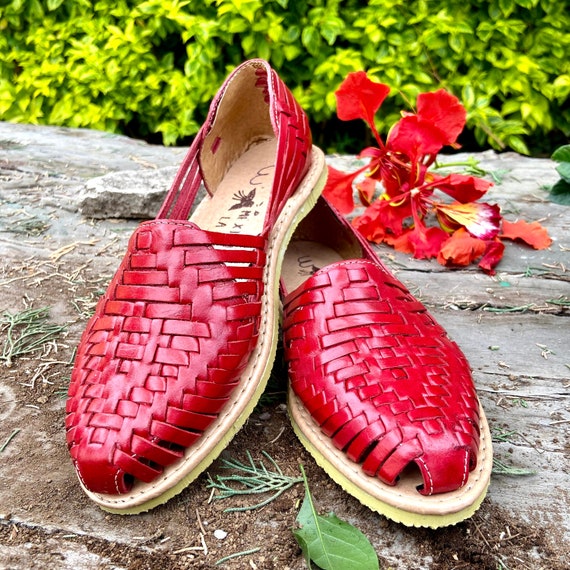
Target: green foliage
(560,192)
(149,68)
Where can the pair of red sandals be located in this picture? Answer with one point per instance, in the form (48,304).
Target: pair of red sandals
(181,345)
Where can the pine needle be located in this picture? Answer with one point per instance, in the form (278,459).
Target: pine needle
(501,468)
(236,555)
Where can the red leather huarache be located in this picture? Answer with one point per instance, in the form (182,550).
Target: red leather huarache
(379,395)
(182,343)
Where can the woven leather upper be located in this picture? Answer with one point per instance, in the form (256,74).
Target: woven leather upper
(168,341)
(380,376)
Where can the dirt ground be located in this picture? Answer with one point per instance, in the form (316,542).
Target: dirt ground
(492,539)
(47,522)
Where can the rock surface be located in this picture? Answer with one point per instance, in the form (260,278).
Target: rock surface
(513,328)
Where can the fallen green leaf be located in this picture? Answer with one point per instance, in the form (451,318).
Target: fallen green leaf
(562,154)
(329,542)
(560,193)
(564,170)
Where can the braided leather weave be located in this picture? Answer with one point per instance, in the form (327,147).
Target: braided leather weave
(163,351)
(169,340)
(380,376)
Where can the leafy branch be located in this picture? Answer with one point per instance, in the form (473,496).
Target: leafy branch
(254,479)
(500,467)
(326,541)
(26,332)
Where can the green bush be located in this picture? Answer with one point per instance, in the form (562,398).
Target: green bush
(149,68)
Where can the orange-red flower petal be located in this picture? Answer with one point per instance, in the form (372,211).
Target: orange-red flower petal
(415,138)
(358,97)
(444,111)
(400,243)
(479,219)
(493,254)
(426,242)
(438,122)
(387,218)
(461,187)
(461,249)
(531,233)
(368,226)
(338,189)
(366,189)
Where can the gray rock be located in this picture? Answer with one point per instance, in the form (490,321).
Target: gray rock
(126,194)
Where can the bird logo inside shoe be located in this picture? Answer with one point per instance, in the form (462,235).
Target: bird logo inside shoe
(243,199)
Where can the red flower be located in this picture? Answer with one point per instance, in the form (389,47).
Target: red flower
(467,230)
(438,122)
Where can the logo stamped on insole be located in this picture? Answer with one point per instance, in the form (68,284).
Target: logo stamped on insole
(244,200)
(306,265)
(249,203)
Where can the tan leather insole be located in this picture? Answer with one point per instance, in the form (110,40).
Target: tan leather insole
(302,259)
(239,203)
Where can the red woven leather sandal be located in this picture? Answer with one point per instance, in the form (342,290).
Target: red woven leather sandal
(379,395)
(181,345)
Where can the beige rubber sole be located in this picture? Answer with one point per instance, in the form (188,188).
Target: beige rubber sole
(175,478)
(401,503)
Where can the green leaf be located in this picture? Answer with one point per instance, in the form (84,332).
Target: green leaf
(517,144)
(562,154)
(564,170)
(54,4)
(311,39)
(329,542)
(560,193)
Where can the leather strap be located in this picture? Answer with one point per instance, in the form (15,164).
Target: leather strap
(289,125)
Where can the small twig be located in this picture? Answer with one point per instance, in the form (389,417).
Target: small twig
(10,438)
(204,545)
(188,549)
(482,535)
(236,554)
(200,522)
(278,435)
(521,309)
